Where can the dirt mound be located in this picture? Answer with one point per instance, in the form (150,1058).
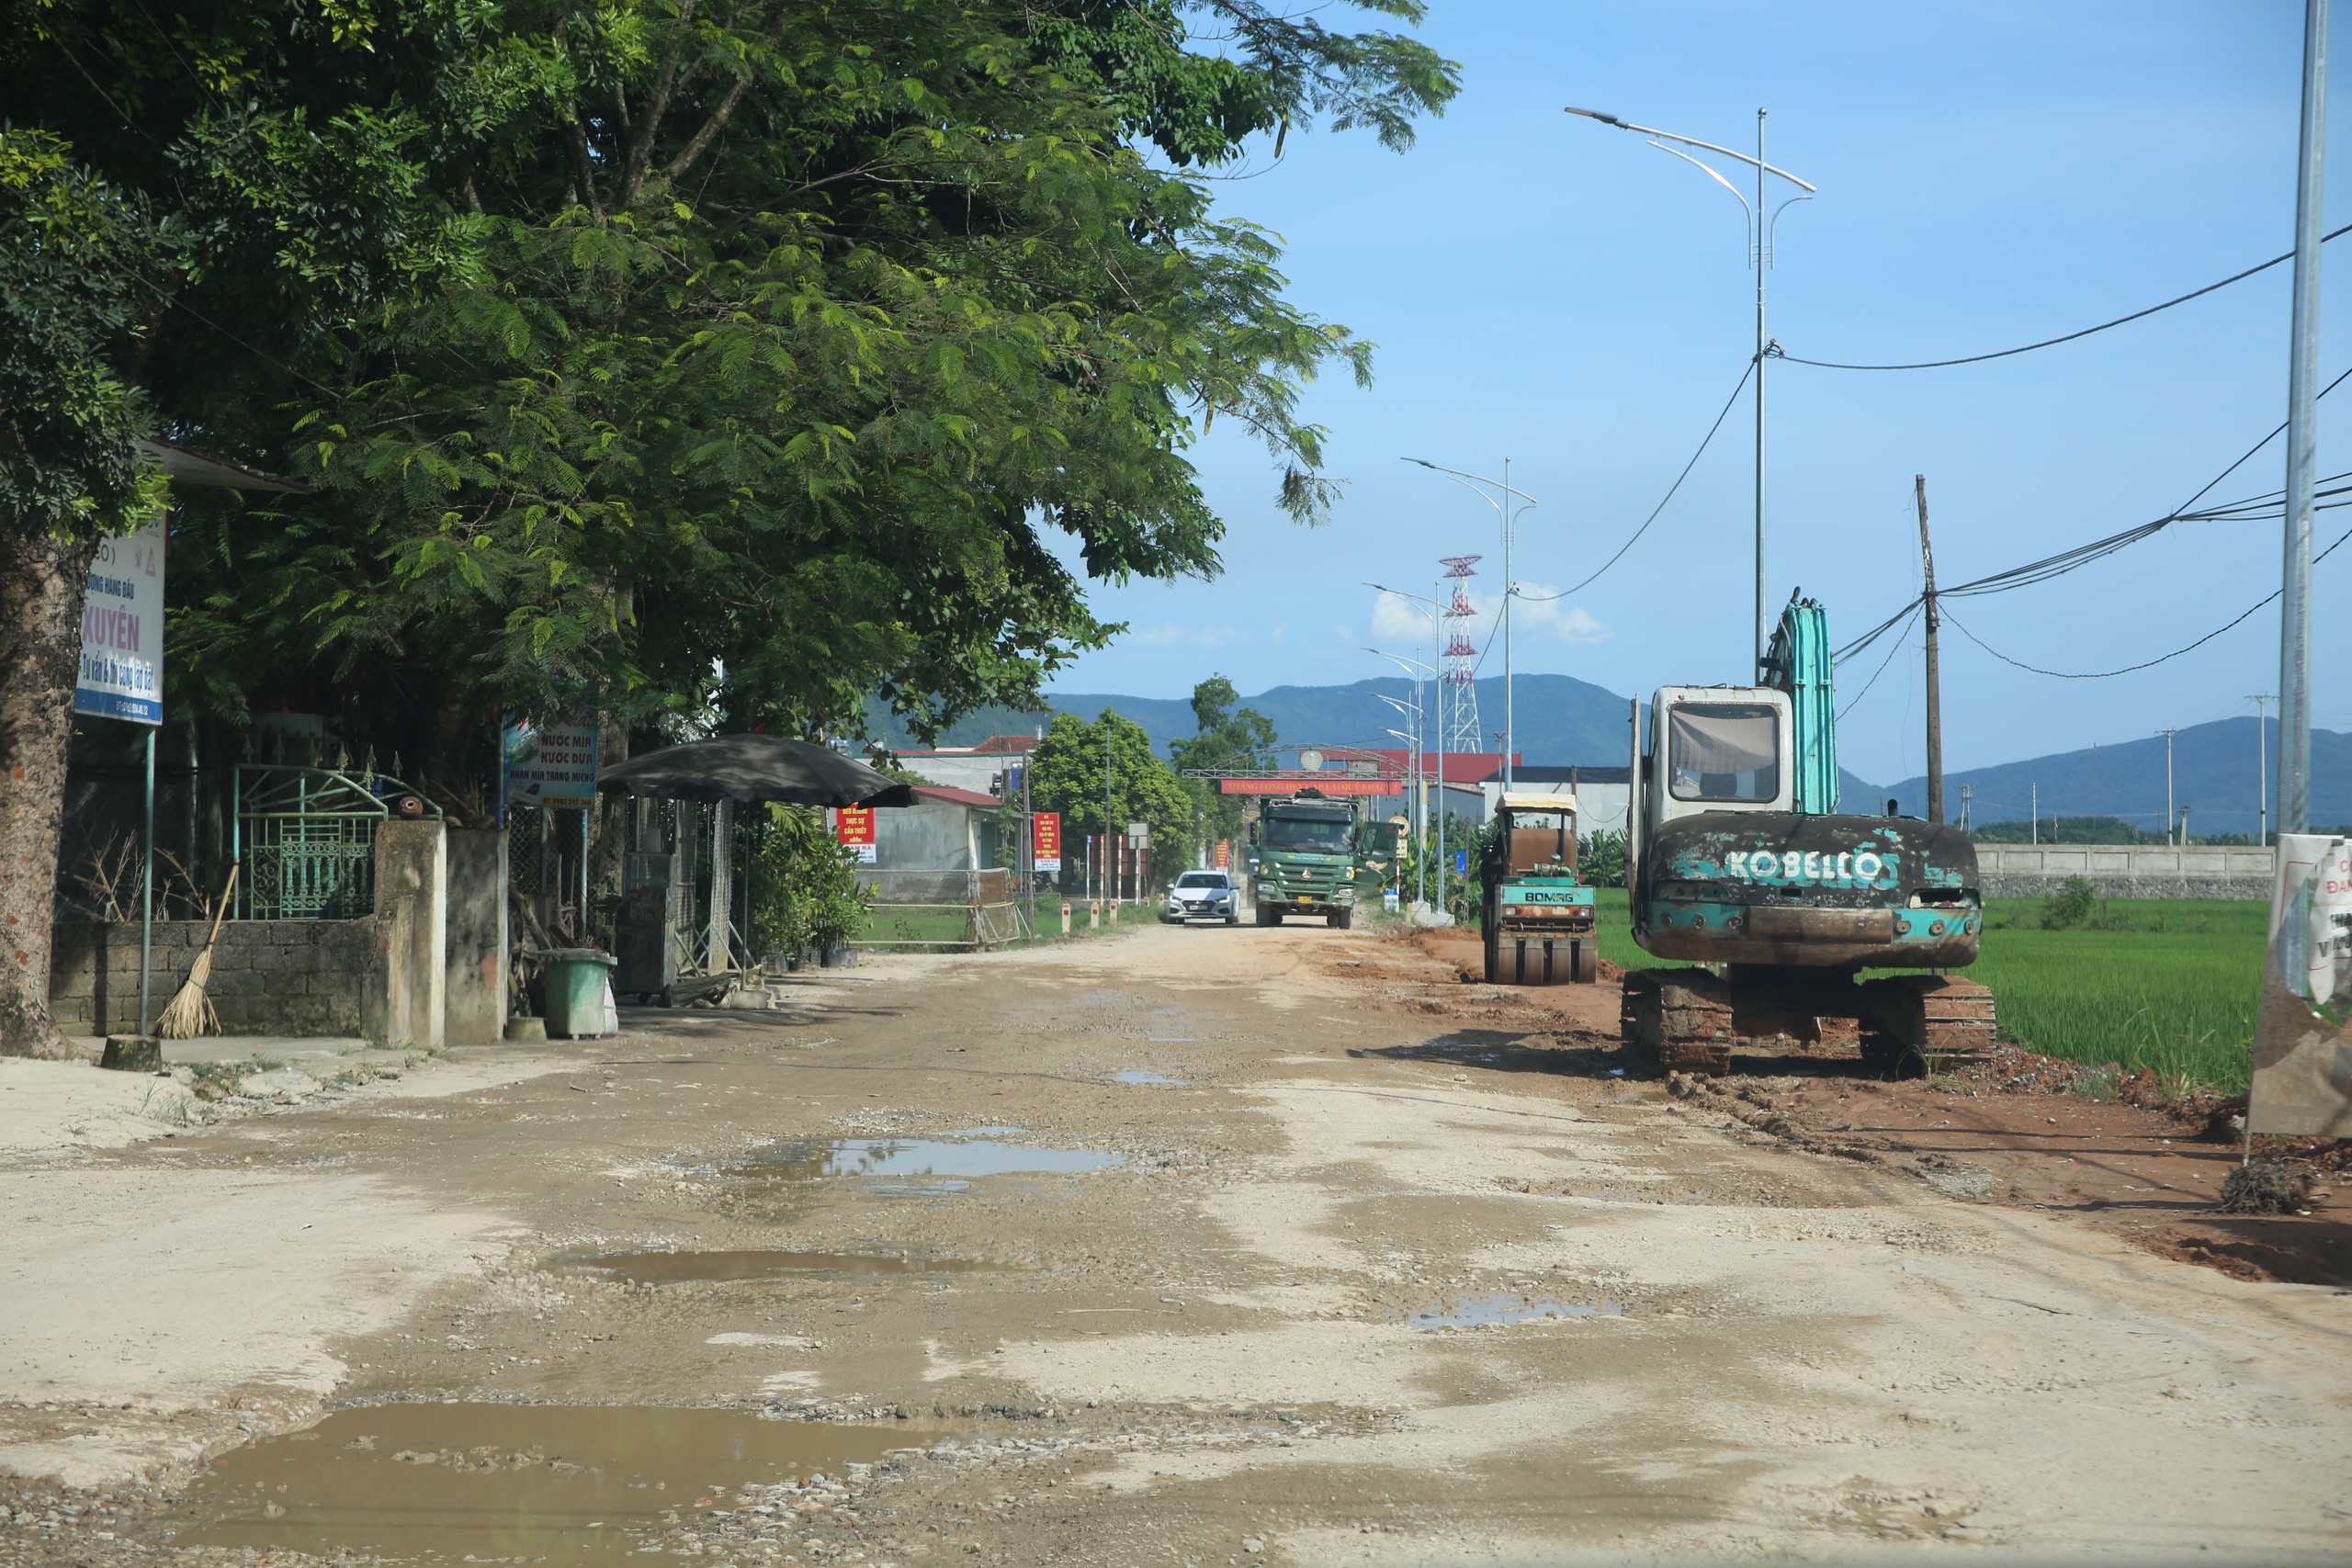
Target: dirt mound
(2271,1185)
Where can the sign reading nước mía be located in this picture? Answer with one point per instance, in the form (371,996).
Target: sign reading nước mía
(552,765)
(121,672)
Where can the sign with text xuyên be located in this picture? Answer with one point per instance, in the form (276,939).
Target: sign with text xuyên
(1045,841)
(854,826)
(121,672)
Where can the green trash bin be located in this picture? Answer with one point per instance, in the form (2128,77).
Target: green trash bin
(576,979)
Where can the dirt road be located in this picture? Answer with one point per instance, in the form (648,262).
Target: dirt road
(1187,1245)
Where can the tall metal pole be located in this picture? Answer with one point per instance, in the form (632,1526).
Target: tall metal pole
(1438,679)
(1759,220)
(2261,770)
(2302,405)
(147,897)
(1935,675)
(2167,735)
(1510,591)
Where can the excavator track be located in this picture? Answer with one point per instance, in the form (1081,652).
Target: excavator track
(1935,1022)
(1679,1020)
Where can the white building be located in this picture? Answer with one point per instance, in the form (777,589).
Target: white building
(1601,791)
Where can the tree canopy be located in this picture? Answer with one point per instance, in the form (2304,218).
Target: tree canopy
(1067,774)
(1229,736)
(784,340)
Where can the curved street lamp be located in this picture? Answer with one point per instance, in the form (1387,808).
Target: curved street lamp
(1761,227)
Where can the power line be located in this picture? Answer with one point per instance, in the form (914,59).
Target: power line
(1660,507)
(2070,337)
(1899,643)
(2065,561)
(2148,663)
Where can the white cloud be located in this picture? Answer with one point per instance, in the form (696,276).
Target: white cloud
(1170,633)
(1403,623)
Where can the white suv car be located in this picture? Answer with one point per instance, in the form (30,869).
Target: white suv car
(1203,895)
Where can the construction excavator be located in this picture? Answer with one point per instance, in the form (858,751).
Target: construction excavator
(1741,862)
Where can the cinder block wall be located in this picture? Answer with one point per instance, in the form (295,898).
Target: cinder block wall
(2126,871)
(294,978)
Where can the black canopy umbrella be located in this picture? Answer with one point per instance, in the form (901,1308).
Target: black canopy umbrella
(753,767)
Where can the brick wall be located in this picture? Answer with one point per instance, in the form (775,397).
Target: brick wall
(290,978)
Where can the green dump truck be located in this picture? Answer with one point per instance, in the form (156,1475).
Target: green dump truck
(1303,859)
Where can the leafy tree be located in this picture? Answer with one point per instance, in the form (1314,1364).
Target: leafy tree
(723,363)
(1601,858)
(1067,774)
(190,196)
(1229,736)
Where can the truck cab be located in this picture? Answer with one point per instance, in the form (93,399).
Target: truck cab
(1537,912)
(1303,859)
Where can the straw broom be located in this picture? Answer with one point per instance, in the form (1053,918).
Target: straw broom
(190,1012)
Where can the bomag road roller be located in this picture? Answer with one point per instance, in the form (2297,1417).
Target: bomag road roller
(1536,911)
(1742,863)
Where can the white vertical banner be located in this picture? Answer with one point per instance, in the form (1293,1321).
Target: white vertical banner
(122,672)
(2303,1036)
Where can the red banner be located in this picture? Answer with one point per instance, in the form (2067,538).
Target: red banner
(1333,785)
(1048,827)
(1225,854)
(854,824)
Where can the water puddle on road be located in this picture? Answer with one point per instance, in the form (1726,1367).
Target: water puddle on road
(677,1268)
(1500,1310)
(555,1483)
(1138,1075)
(921,1167)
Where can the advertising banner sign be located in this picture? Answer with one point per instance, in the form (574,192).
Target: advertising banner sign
(1225,854)
(1045,842)
(552,765)
(2302,1031)
(854,826)
(122,672)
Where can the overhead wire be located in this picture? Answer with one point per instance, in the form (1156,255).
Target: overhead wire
(2070,337)
(2146,663)
(2053,566)
(1704,441)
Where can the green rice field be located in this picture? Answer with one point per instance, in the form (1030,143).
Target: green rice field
(2167,984)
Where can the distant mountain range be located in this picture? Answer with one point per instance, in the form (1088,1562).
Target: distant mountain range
(2215,775)
(1562,720)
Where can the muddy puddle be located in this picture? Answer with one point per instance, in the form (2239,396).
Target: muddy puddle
(1500,1310)
(921,1167)
(1139,1074)
(555,1483)
(678,1268)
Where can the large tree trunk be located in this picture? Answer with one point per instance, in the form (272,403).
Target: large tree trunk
(609,833)
(43,581)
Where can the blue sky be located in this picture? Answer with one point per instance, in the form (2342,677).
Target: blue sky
(1548,289)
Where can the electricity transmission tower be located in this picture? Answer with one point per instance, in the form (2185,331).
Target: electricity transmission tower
(1462,731)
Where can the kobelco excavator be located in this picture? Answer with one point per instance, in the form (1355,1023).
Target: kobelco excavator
(1742,862)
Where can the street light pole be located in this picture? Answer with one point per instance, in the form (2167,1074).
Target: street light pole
(1761,227)
(1511,586)
(2303,413)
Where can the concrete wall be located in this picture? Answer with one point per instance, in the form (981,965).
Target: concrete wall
(933,835)
(295,977)
(2125,870)
(475,984)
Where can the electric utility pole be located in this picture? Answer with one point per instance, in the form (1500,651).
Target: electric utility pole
(1935,680)
(2261,768)
(2302,430)
(2168,828)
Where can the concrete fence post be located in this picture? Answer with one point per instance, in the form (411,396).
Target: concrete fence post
(477,935)
(411,929)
